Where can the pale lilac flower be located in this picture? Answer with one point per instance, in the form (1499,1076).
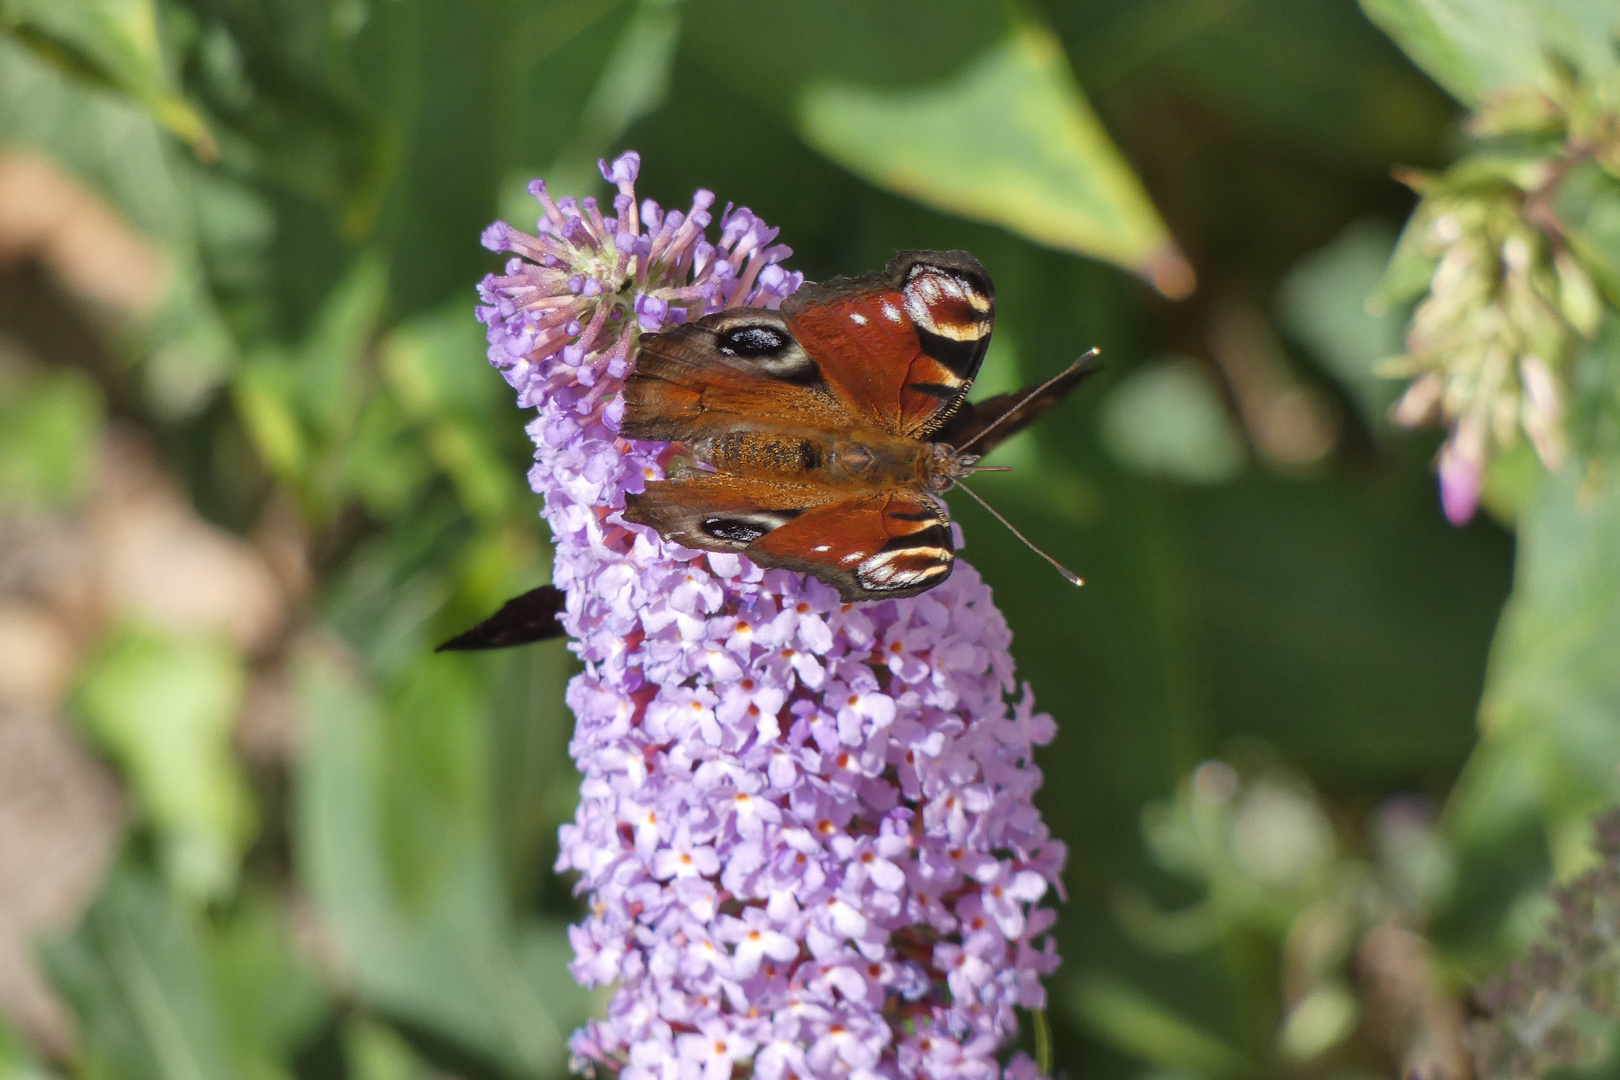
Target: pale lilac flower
(805,826)
(1462,471)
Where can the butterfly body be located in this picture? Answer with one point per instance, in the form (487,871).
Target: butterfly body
(860,459)
(819,437)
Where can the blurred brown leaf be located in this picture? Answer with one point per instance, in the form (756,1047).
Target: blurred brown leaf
(1410,1014)
(162,564)
(60,815)
(47,214)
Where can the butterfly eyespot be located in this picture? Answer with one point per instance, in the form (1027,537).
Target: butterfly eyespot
(734,531)
(751,341)
(766,344)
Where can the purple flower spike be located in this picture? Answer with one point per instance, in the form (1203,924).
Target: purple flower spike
(805,827)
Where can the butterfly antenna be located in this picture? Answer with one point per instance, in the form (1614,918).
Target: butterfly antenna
(1090,354)
(1064,570)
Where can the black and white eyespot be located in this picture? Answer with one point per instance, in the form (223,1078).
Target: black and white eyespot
(753,341)
(759,339)
(740,530)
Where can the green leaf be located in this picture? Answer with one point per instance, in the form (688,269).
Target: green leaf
(1130,1021)
(434,365)
(135,973)
(266,392)
(382,463)
(122,153)
(49,428)
(1587,202)
(329,360)
(374,1051)
(188,351)
(16,1062)
(312,417)
(435,362)
(433,753)
(445,954)
(114,42)
(1472,47)
(1550,718)
(533,785)
(1305,74)
(633,84)
(164,706)
(270,1002)
(1009,140)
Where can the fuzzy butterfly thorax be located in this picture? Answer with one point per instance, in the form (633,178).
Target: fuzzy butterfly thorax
(819,437)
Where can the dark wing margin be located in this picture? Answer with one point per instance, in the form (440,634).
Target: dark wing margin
(523,619)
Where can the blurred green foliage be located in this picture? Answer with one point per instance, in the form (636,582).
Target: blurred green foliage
(1269,576)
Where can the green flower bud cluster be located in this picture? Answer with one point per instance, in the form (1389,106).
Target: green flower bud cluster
(1506,291)
(1342,902)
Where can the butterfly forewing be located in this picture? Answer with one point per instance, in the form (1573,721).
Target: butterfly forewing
(704,377)
(531,617)
(900,347)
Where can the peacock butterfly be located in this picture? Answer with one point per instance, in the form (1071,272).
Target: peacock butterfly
(820,436)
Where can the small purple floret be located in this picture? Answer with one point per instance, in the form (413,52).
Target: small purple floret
(805,827)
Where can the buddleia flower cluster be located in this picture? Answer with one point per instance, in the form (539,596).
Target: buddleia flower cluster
(805,828)
(1508,291)
(1559,1006)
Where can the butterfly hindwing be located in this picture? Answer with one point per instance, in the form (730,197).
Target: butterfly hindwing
(900,347)
(722,511)
(868,547)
